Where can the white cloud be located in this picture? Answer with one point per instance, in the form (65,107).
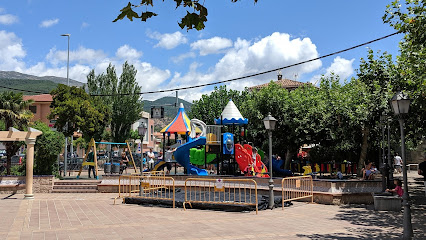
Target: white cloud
(126,52)
(49,23)
(82,55)
(11,52)
(168,40)
(211,45)
(8,19)
(84,25)
(340,66)
(180,58)
(246,57)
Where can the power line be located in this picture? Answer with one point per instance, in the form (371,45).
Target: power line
(252,75)
(28,91)
(228,80)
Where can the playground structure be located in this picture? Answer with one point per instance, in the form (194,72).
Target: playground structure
(92,145)
(217,147)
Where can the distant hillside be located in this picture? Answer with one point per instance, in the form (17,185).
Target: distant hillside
(169,111)
(11,75)
(43,86)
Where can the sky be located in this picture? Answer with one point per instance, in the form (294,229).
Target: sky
(239,39)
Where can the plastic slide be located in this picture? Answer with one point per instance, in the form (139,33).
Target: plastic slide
(278,171)
(243,156)
(182,156)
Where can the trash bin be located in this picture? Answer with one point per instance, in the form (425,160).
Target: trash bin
(107,168)
(115,168)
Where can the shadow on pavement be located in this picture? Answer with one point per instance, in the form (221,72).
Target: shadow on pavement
(9,197)
(381,225)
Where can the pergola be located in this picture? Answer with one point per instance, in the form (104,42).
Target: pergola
(29,137)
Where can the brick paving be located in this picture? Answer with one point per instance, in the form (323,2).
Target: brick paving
(93,216)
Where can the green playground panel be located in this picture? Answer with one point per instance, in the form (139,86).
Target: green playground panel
(196,156)
(261,153)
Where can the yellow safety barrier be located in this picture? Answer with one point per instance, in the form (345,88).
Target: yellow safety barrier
(295,188)
(221,191)
(147,187)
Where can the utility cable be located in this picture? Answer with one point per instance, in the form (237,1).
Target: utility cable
(229,80)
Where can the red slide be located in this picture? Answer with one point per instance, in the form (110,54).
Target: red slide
(243,158)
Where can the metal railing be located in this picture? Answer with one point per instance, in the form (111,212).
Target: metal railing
(237,192)
(147,187)
(295,188)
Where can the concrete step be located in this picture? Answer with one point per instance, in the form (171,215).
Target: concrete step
(75,186)
(74,191)
(77,182)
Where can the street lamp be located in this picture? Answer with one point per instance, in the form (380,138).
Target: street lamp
(269,122)
(400,105)
(68,83)
(383,119)
(142,131)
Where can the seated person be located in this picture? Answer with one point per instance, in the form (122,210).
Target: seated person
(249,170)
(398,188)
(367,173)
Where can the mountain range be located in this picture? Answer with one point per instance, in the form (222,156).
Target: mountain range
(38,85)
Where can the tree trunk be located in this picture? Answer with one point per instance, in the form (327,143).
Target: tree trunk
(364,147)
(289,154)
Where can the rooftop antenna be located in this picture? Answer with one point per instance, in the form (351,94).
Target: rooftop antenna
(296,75)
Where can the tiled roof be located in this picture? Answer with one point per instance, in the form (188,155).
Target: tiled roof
(39,98)
(285,83)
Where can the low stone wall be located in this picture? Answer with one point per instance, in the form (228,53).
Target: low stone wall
(16,184)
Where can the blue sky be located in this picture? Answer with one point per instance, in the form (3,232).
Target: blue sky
(239,39)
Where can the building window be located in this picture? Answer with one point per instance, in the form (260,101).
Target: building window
(33,109)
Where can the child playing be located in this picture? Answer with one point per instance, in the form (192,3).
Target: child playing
(397,189)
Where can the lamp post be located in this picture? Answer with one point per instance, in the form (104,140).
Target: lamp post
(68,83)
(142,131)
(383,119)
(269,122)
(400,105)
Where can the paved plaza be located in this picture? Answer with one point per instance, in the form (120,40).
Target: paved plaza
(93,216)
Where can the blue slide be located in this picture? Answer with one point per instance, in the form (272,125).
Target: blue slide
(182,156)
(276,167)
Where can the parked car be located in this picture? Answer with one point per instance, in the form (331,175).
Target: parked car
(17,159)
(2,152)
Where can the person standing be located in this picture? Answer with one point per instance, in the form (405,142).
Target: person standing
(422,171)
(151,157)
(398,163)
(91,159)
(254,156)
(123,162)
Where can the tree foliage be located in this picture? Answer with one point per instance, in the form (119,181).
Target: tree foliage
(74,110)
(125,103)
(47,148)
(410,19)
(210,106)
(13,113)
(194,19)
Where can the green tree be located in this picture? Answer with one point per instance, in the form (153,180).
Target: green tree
(210,106)
(74,110)
(13,113)
(410,19)
(124,101)
(47,148)
(194,19)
